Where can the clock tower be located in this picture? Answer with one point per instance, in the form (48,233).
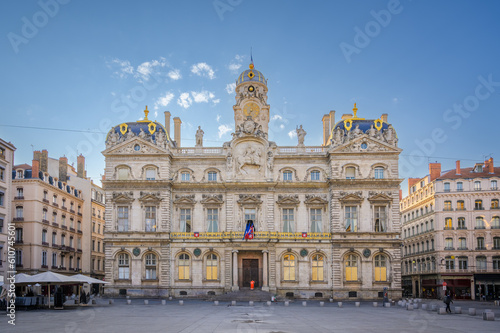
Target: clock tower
(251,99)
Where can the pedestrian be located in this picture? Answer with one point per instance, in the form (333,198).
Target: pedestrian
(447,301)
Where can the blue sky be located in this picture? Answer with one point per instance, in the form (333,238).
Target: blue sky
(88,65)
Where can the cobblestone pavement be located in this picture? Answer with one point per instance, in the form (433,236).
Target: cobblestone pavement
(201,316)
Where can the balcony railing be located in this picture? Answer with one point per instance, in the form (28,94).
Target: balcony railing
(448,228)
(257,235)
(45,200)
(19,198)
(18,219)
(45,243)
(55,204)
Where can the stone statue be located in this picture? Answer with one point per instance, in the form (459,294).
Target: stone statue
(160,139)
(141,134)
(130,134)
(112,139)
(339,136)
(199,137)
(229,161)
(357,131)
(389,135)
(372,131)
(301,134)
(270,160)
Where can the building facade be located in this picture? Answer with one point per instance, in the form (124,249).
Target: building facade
(325,218)
(6,161)
(98,209)
(451,233)
(50,220)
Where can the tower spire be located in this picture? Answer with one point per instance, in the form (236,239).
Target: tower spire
(251,59)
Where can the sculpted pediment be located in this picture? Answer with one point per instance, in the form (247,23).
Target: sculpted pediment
(215,199)
(381,197)
(365,143)
(249,199)
(147,197)
(354,197)
(312,199)
(136,145)
(123,197)
(288,200)
(187,199)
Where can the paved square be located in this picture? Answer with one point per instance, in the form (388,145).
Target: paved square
(201,316)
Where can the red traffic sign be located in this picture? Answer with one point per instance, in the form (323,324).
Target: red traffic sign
(304,234)
(445,284)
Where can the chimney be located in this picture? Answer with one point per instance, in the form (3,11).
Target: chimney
(37,155)
(400,194)
(80,167)
(44,161)
(434,170)
(411,182)
(346,116)
(491,168)
(177,130)
(332,120)
(63,169)
(103,177)
(326,129)
(384,117)
(457,172)
(35,168)
(167,123)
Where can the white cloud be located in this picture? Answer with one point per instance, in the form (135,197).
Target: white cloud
(218,117)
(203,69)
(164,100)
(234,67)
(184,100)
(148,68)
(292,134)
(282,126)
(276,117)
(123,67)
(175,74)
(204,97)
(396,100)
(223,129)
(230,88)
(156,114)
(235,64)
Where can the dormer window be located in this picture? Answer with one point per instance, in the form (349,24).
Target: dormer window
(20,174)
(479,168)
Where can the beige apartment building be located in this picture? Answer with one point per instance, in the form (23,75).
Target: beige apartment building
(451,232)
(52,224)
(98,209)
(325,217)
(6,161)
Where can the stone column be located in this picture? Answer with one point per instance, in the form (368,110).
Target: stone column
(265,285)
(235,271)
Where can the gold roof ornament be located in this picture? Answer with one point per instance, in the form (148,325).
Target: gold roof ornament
(355,111)
(146,112)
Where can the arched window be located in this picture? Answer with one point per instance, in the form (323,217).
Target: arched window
(289,267)
(448,244)
(448,225)
(212,267)
(150,266)
(478,204)
(460,205)
(494,203)
(379,173)
(351,268)
(479,222)
(380,268)
(480,243)
(183,266)
(317,267)
(123,266)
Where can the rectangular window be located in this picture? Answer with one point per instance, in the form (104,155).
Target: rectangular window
(1,227)
(122,218)
(461,223)
(288,220)
(380,219)
(462,263)
(315,175)
(480,243)
(460,186)
(150,174)
(349,173)
(44,236)
(462,243)
(447,187)
(351,219)
(316,220)
(447,205)
(185,220)
(448,244)
(250,215)
(19,212)
(213,219)
(19,235)
(20,192)
(379,173)
(212,176)
(287,176)
(493,185)
(150,218)
(479,222)
(54,259)
(481,263)
(450,264)
(2,173)
(477,185)
(19,258)
(122,174)
(185,176)
(448,223)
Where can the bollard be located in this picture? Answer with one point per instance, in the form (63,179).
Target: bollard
(250,303)
(433,307)
(129,302)
(321,303)
(181,302)
(340,304)
(400,303)
(216,303)
(304,303)
(472,311)
(375,304)
(287,303)
(163,302)
(128,297)
(111,301)
(387,305)
(424,306)
(357,304)
(458,309)
(488,315)
(170,298)
(233,303)
(268,303)
(331,300)
(415,305)
(442,311)
(146,302)
(409,307)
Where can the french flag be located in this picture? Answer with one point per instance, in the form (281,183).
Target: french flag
(249,230)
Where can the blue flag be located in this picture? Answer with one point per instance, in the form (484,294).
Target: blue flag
(249,230)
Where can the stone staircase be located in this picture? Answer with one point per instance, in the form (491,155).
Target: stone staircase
(244,295)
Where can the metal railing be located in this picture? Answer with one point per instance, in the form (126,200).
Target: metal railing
(257,235)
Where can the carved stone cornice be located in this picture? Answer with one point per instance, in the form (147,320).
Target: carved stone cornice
(212,199)
(184,199)
(252,199)
(351,197)
(292,199)
(315,199)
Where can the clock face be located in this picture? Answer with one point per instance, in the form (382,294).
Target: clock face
(251,109)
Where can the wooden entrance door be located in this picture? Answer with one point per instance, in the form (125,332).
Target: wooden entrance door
(250,272)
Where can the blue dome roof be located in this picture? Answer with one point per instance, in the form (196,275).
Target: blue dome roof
(251,75)
(148,127)
(363,124)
